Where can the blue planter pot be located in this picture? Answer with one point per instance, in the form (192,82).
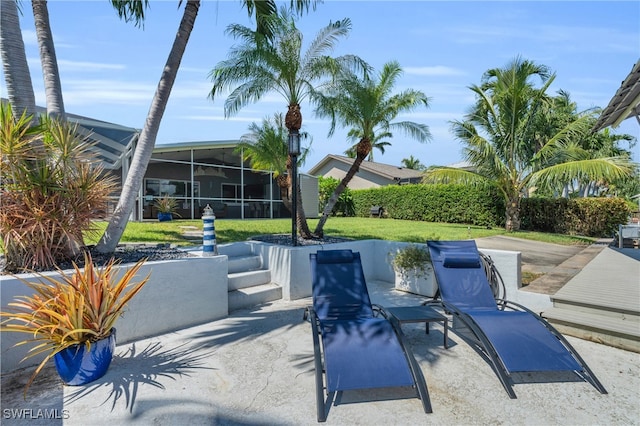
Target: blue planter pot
(163,217)
(77,366)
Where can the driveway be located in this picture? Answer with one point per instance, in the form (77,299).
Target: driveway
(537,257)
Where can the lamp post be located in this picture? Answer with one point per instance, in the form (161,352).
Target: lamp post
(294,151)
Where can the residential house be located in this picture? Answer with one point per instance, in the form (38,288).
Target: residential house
(194,173)
(370,175)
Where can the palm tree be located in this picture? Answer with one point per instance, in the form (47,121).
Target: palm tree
(265,146)
(147,139)
(412,163)
(376,143)
(49,63)
(133,10)
(260,64)
(603,144)
(368,105)
(499,136)
(17,75)
(14,62)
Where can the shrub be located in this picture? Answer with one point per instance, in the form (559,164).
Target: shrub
(412,258)
(477,205)
(51,189)
(592,217)
(344,206)
(80,308)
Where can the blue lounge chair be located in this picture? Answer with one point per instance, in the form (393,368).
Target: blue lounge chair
(356,345)
(514,339)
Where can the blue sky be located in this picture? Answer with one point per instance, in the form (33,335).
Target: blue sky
(110,69)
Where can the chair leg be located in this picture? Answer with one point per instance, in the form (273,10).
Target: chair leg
(416,372)
(320,405)
(319,368)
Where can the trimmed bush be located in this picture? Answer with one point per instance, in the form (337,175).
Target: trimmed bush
(476,205)
(344,206)
(484,206)
(592,217)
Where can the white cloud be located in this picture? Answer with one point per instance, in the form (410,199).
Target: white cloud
(86,92)
(429,116)
(66,65)
(561,37)
(439,70)
(220,118)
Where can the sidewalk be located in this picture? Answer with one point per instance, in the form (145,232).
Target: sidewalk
(256,368)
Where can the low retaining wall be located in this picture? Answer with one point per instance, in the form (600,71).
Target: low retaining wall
(180,293)
(290,268)
(185,292)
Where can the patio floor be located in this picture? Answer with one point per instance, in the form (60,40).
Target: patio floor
(255,367)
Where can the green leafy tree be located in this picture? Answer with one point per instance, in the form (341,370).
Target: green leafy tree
(266,147)
(368,105)
(260,64)
(134,10)
(377,143)
(412,163)
(505,148)
(345,205)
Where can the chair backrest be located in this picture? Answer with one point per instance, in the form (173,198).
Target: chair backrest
(339,287)
(462,281)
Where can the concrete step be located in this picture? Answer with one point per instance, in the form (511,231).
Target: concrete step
(236,249)
(240,280)
(612,295)
(605,307)
(244,263)
(621,332)
(254,296)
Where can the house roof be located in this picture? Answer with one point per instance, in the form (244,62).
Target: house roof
(624,104)
(386,170)
(110,141)
(168,147)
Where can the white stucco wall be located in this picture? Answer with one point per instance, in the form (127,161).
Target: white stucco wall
(310,190)
(180,293)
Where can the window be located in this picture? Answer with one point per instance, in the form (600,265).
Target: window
(171,188)
(231,191)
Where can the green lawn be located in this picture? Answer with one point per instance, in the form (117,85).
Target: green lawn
(231,230)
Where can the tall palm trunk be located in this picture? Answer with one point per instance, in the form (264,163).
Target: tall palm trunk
(513,213)
(49,62)
(133,182)
(363,149)
(284,185)
(293,122)
(14,62)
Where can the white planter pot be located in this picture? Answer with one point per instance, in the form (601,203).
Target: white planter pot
(417,282)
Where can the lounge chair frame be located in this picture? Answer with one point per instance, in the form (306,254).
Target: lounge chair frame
(485,345)
(324,397)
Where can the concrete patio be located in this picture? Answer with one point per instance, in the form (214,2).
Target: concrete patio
(255,367)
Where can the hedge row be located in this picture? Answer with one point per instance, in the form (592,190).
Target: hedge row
(434,203)
(593,217)
(484,206)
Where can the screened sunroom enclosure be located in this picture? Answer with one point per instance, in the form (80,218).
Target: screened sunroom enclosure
(199,173)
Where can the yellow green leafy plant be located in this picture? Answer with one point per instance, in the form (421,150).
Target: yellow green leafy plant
(71,309)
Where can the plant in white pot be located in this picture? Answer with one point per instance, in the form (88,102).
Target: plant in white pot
(413,270)
(71,318)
